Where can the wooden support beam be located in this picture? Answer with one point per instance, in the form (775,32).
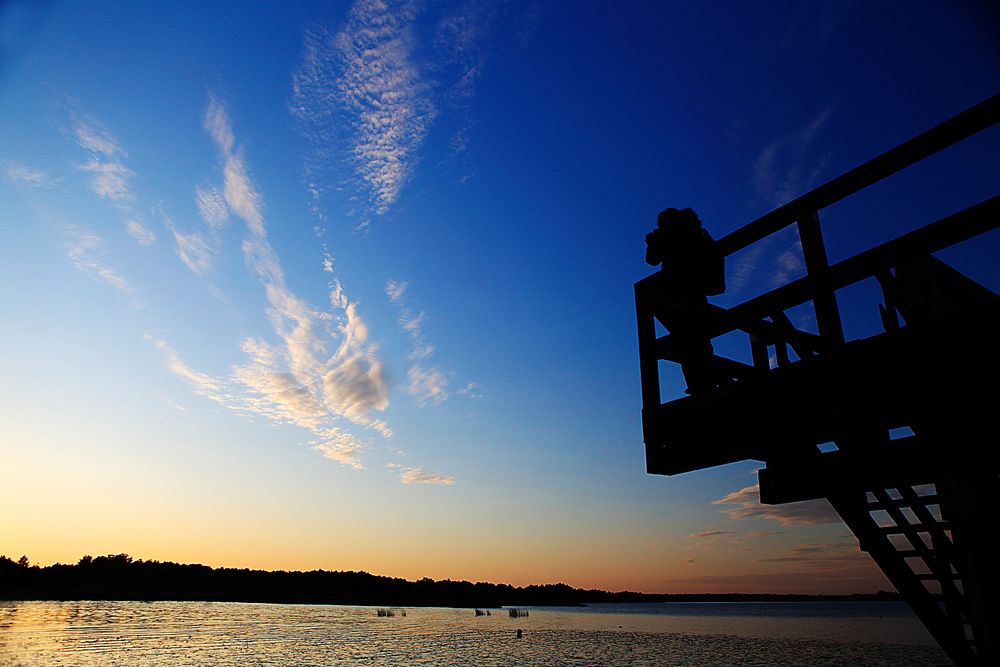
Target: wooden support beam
(903,462)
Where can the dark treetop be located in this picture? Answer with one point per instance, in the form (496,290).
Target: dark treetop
(119,577)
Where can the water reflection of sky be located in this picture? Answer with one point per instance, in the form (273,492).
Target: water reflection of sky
(138,633)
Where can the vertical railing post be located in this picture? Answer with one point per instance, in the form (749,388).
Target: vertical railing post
(649,373)
(831,330)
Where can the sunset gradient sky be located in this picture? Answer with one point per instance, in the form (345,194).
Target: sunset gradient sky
(348,285)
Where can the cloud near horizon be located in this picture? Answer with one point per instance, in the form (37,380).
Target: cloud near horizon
(421,476)
(745,504)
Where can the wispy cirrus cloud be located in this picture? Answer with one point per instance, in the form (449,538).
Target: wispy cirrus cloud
(823,556)
(364,79)
(861,578)
(22,174)
(193,249)
(783,170)
(85,249)
(421,476)
(786,168)
(745,504)
(426,383)
(142,234)
(202,383)
(297,380)
(110,179)
(212,207)
(462,40)
(705,534)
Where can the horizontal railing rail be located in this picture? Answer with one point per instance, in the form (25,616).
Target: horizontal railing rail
(822,280)
(749,315)
(950,132)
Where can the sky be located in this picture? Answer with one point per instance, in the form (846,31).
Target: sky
(348,285)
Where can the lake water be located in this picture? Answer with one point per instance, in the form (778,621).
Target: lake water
(221,633)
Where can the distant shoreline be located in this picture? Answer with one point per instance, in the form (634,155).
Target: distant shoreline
(120,578)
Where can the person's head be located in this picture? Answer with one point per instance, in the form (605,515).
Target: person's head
(682,220)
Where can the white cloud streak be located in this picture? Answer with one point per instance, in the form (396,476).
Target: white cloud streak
(783,170)
(425,384)
(22,174)
(745,504)
(212,207)
(366,75)
(109,176)
(420,476)
(296,381)
(194,251)
(85,250)
(142,234)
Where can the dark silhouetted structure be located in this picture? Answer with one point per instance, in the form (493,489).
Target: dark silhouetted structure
(822,411)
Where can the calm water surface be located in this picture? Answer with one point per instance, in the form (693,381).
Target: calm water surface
(221,633)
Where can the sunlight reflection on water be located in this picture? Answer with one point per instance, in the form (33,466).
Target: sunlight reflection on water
(218,633)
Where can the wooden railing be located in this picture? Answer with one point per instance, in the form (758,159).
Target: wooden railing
(763,318)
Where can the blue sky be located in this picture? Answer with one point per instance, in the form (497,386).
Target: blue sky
(349,285)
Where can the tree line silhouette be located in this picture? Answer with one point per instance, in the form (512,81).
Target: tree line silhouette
(120,577)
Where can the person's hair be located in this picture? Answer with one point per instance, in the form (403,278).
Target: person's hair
(682,219)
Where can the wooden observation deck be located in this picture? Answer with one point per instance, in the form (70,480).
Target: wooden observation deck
(924,506)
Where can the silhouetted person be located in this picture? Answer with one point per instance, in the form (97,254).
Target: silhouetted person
(692,269)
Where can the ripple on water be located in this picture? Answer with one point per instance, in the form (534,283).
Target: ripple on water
(195,633)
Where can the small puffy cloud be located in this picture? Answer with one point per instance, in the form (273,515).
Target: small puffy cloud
(395,290)
(414,325)
(109,177)
(745,504)
(427,385)
(109,180)
(143,235)
(86,250)
(22,174)
(471,390)
(342,447)
(337,297)
(355,387)
(420,476)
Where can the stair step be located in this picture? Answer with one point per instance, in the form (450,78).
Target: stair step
(917,527)
(930,576)
(931,499)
